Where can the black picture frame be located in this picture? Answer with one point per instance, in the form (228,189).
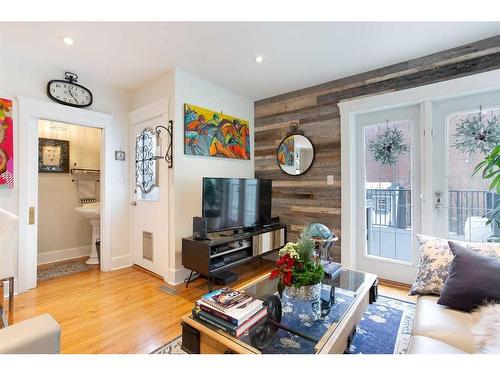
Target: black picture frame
(63,166)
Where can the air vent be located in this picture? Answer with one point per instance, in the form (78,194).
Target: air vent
(147,246)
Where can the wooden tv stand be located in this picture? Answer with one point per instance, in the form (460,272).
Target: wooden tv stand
(223,252)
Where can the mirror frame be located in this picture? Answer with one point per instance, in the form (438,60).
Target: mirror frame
(294,131)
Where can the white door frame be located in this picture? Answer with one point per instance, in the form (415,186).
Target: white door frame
(159,108)
(30,111)
(424,96)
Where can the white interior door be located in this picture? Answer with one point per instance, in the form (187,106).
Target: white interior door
(388,193)
(149,210)
(464,198)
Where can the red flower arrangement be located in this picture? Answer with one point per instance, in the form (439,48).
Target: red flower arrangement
(283,270)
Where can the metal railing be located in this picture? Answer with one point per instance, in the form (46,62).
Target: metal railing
(463,204)
(389,207)
(392,207)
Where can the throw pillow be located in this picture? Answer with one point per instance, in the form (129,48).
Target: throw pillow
(435,258)
(473,280)
(486,329)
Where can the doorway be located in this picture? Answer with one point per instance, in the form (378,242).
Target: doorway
(30,112)
(68,209)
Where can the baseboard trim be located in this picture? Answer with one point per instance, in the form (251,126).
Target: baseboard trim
(120,262)
(64,254)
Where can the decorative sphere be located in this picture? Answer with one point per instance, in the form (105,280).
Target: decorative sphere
(320,231)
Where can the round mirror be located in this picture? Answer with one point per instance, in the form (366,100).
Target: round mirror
(295,154)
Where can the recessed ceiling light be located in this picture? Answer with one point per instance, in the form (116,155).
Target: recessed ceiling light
(259,59)
(67,40)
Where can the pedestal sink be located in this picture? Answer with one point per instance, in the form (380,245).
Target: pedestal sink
(92,212)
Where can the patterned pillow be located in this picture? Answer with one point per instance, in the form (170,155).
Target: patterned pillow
(435,258)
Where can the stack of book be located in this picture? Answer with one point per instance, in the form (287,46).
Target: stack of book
(229,310)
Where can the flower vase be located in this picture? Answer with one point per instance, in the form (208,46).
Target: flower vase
(304,301)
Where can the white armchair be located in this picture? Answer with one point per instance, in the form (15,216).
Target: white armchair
(8,245)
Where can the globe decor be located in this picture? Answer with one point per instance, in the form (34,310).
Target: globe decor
(388,146)
(299,272)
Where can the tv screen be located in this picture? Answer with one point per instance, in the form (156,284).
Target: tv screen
(232,203)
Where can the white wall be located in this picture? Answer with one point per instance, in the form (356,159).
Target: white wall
(20,77)
(182,87)
(62,230)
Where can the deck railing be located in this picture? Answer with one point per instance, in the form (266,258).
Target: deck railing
(392,207)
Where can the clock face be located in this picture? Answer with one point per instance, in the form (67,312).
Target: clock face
(68,93)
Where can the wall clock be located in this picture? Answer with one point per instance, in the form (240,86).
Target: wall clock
(68,92)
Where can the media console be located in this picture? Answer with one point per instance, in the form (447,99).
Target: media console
(224,252)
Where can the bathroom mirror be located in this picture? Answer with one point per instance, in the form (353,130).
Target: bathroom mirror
(295,153)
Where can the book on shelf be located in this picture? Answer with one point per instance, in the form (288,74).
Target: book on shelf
(226,298)
(227,327)
(235,315)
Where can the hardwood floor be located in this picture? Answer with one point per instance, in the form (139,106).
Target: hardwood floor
(123,311)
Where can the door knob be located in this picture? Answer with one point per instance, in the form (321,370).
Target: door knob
(134,203)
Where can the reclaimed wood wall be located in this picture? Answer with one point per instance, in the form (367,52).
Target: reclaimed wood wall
(305,199)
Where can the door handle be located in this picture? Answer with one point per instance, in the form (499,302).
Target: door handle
(439,205)
(133,203)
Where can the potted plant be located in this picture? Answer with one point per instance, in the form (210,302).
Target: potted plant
(490,167)
(299,272)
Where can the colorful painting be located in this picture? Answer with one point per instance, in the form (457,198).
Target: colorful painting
(285,151)
(6,145)
(210,133)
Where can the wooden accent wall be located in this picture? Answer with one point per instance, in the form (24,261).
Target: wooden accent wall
(306,199)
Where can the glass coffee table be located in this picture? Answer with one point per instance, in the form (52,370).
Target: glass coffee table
(344,298)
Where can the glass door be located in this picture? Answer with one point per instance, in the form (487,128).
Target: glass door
(465,129)
(388,192)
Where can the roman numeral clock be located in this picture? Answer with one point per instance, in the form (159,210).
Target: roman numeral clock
(68,92)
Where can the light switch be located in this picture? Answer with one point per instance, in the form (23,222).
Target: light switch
(329,179)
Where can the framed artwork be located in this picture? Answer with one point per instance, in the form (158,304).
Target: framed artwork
(53,156)
(6,145)
(215,134)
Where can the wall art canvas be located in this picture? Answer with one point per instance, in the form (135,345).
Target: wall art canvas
(53,155)
(6,145)
(210,133)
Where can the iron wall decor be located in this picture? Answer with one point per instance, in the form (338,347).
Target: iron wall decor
(53,156)
(295,154)
(68,92)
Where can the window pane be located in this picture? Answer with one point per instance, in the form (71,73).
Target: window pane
(468,197)
(388,196)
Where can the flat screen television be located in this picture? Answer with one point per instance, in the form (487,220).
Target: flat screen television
(236,203)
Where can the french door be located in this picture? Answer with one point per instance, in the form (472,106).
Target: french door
(464,198)
(415,174)
(388,192)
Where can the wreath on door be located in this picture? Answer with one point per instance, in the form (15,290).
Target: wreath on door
(475,134)
(388,146)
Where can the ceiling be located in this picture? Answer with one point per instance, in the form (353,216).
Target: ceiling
(296,54)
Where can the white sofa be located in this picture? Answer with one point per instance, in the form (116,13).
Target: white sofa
(440,330)
(38,335)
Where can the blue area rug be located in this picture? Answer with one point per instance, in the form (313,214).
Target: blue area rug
(385,328)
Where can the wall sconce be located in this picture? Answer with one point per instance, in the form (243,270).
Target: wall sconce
(159,152)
